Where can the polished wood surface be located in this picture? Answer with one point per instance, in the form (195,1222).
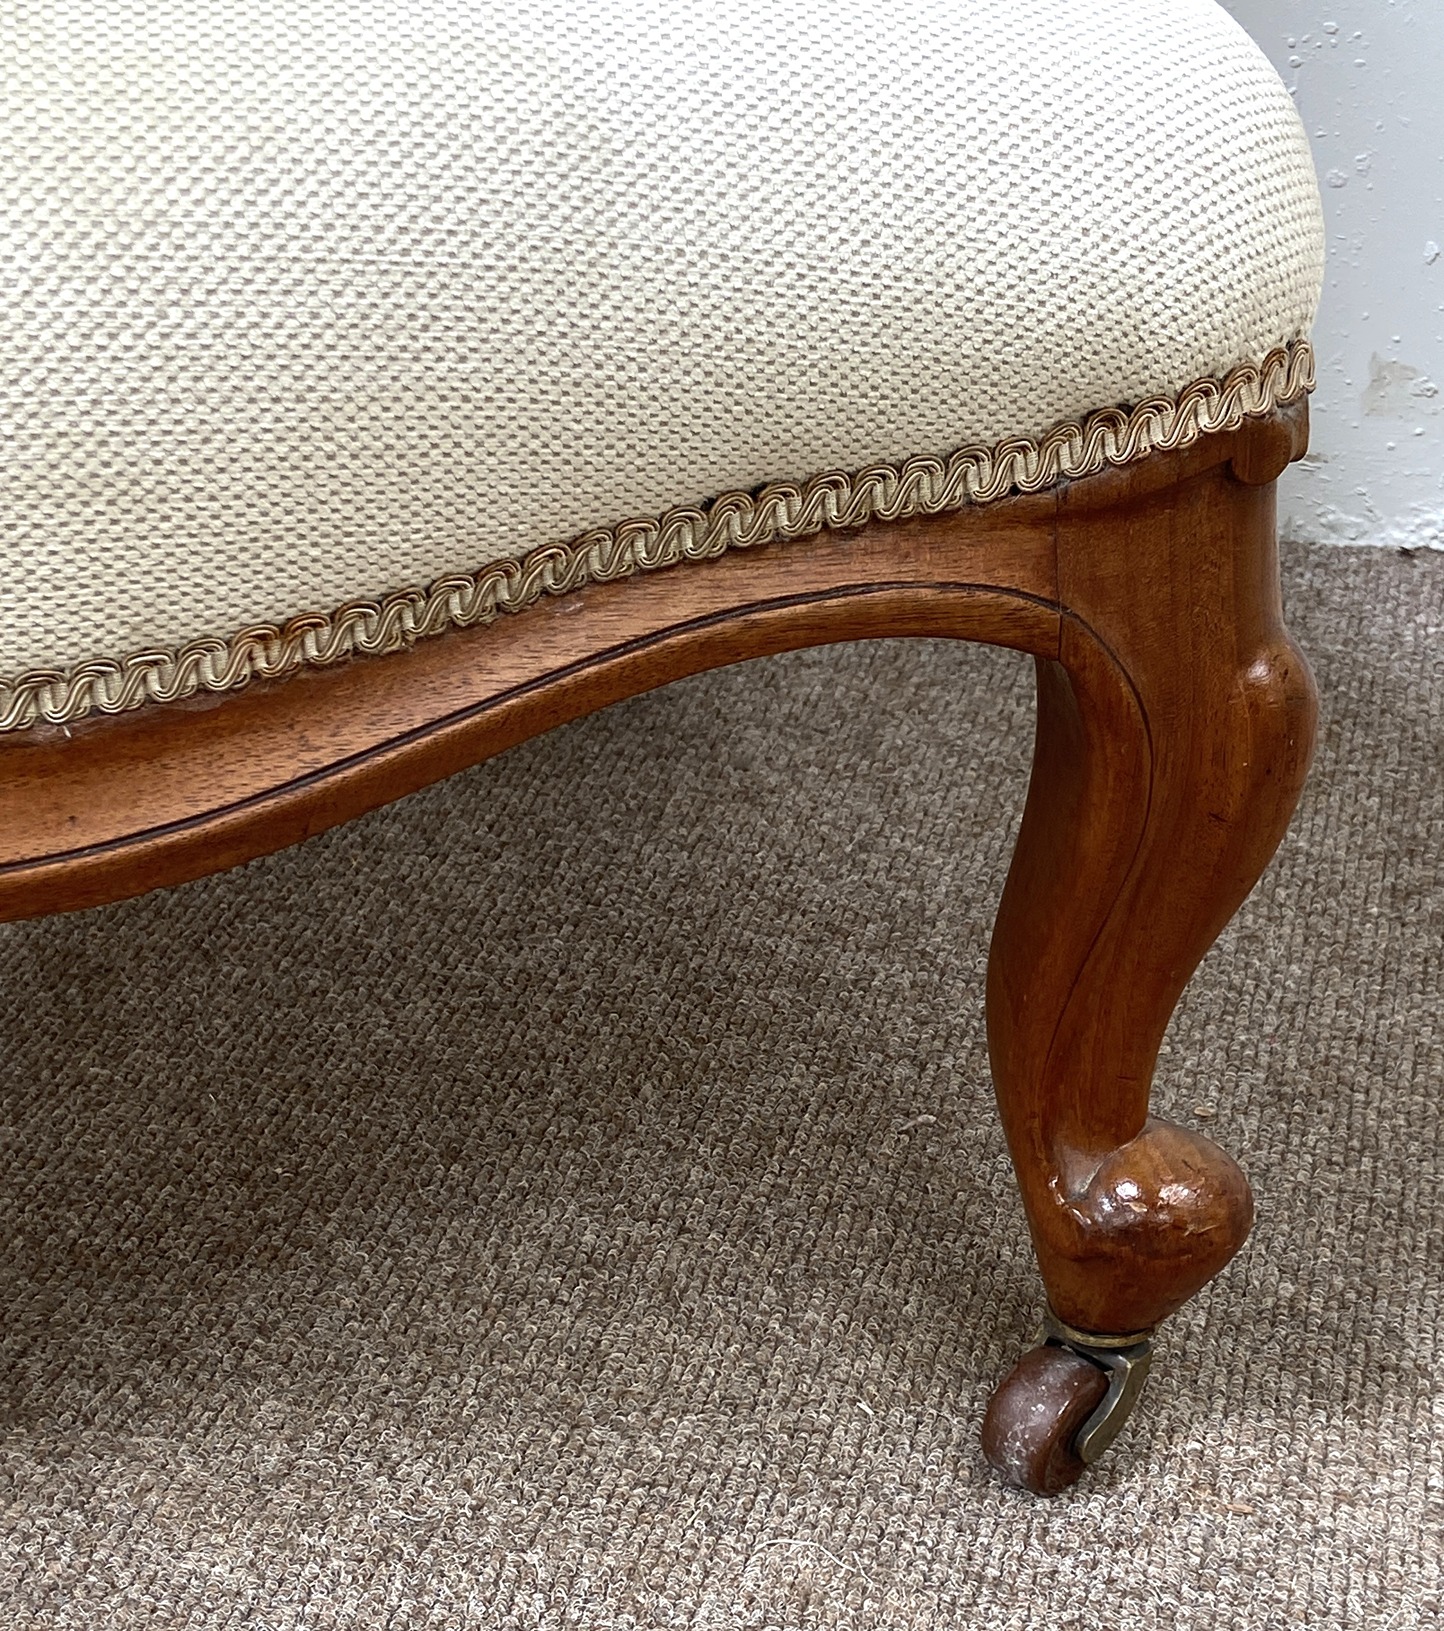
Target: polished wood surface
(1174,728)
(171,793)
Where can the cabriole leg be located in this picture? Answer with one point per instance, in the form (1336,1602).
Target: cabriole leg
(1174,732)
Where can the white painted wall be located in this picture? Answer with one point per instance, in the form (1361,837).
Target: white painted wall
(1368,78)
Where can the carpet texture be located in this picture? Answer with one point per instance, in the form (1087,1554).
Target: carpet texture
(572,1197)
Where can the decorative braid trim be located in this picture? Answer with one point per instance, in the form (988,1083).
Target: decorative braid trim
(779,511)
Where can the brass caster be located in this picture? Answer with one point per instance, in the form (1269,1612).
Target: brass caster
(1062,1405)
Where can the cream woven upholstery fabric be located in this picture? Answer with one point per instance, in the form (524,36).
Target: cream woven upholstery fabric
(310,302)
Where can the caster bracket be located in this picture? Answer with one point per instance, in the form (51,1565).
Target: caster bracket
(1125,1359)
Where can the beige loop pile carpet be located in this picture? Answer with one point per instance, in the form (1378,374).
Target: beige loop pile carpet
(572,1197)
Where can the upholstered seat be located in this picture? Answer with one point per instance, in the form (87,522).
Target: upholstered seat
(310,304)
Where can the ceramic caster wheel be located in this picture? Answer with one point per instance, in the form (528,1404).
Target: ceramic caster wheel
(1034,1415)
(1059,1409)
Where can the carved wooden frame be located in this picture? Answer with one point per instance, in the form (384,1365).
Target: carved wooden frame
(1175,725)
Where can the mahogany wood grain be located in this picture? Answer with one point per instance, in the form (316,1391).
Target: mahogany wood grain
(1174,732)
(171,793)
